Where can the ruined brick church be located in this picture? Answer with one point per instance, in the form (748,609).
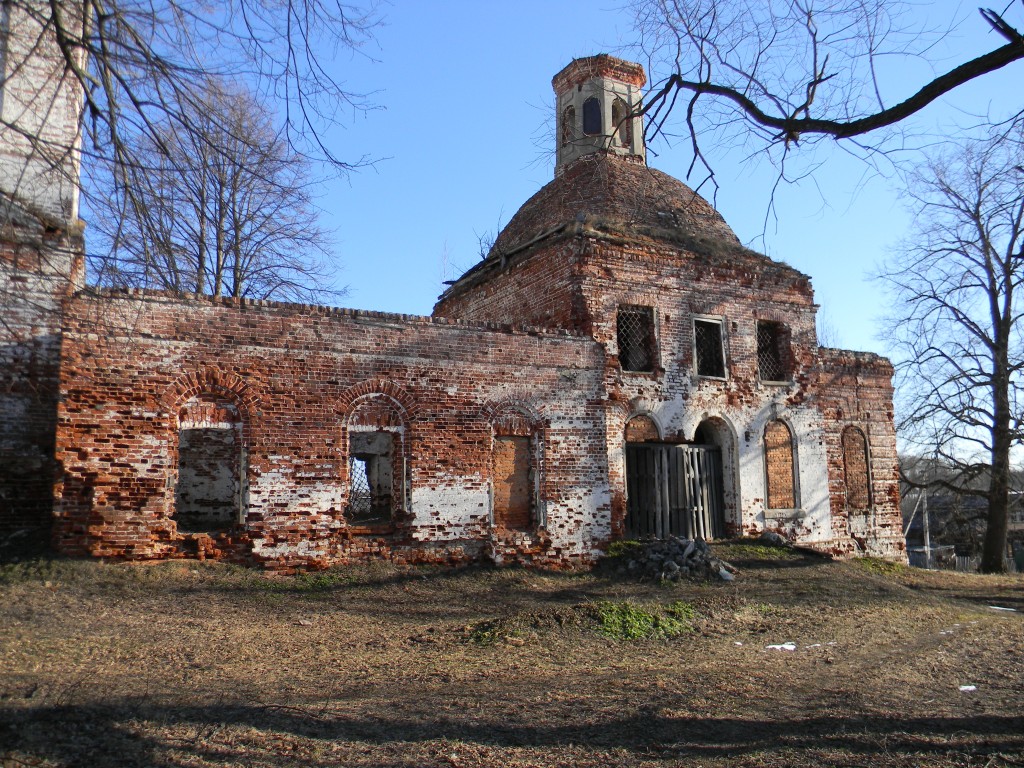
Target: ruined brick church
(618,366)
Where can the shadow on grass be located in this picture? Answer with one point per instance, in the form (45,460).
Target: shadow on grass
(140,733)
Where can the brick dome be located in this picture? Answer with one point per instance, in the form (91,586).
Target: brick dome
(619,196)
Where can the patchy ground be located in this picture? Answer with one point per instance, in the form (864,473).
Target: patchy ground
(192,664)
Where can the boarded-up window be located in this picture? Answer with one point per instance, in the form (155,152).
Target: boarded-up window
(371,478)
(642,429)
(592,117)
(207,496)
(513,489)
(622,125)
(779,466)
(855,464)
(635,337)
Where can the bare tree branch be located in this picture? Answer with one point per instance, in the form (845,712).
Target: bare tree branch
(790,71)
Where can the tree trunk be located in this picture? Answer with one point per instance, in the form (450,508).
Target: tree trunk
(994,549)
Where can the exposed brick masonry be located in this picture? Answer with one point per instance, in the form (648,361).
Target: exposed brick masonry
(296,373)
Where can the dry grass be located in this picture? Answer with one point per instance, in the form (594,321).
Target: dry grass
(191,664)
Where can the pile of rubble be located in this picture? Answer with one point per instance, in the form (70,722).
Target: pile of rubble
(674,558)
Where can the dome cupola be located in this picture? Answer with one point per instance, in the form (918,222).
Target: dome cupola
(597,101)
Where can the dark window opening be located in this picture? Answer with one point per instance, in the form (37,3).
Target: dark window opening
(708,350)
(772,351)
(622,124)
(206,496)
(592,117)
(372,476)
(568,125)
(780,477)
(635,332)
(513,485)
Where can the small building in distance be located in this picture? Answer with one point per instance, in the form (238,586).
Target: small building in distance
(619,365)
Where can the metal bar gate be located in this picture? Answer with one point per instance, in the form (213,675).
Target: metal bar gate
(674,490)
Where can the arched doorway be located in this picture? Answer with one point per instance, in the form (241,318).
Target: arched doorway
(704,479)
(675,489)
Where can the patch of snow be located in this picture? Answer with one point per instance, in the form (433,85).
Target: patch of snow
(968,688)
(1001,608)
(781,647)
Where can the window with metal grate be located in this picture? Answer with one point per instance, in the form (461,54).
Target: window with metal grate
(772,351)
(708,350)
(360,496)
(375,479)
(635,333)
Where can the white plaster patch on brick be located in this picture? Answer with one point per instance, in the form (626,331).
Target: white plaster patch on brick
(278,497)
(447,509)
(571,519)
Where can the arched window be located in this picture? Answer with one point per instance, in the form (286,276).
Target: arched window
(780,475)
(568,125)
(621,124)
(592,117)
(377,466)
(208,493)
(855,466)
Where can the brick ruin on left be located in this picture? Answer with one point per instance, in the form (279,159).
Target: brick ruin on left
(618,366)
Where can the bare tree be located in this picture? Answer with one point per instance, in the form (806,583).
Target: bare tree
(222,209)
(774,75)
(957,329)
(143,67)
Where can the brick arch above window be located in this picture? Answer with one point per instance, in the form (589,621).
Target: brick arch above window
(209,382)
(855,468)
(377,410)
(208,409)
(780,466)
(512,417)
(376,402)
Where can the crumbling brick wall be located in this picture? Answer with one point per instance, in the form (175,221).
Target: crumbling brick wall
(301,379)
(737,289)
(38,263)
(854,391)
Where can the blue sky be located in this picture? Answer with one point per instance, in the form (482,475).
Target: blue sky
(464,136)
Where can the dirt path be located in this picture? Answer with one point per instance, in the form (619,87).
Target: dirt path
(193,664)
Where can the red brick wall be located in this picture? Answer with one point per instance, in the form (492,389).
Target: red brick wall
(298,375)
(539,287)
(854,389)
(734,284)
(855,469)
